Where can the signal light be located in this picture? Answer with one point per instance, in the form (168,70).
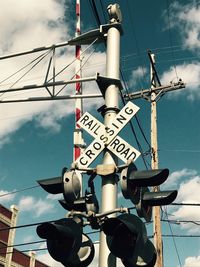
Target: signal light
(134,187)
(126,238)
(66,243)
(68,184)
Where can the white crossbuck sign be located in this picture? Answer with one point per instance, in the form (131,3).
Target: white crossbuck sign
(107,136)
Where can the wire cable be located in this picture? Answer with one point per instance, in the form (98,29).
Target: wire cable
(170,36)
(23,244)
(122,98)
(173,238)
(135,39)
(20,190)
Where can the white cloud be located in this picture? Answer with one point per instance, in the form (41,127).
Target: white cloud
(30,23)
(6,196)
(192,262)
(188,192)
(137,75)
(27,25)
(41,207)
(190,74)
(187,19)
(176,177)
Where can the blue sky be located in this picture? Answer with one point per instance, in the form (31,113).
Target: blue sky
(36,138)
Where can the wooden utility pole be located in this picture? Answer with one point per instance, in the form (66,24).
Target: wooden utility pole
(154,165)
(153,94)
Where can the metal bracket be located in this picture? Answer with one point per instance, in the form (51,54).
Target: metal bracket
(104,170)
(90,36)
(103,83)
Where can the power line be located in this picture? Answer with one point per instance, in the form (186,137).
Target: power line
(132,128)
(24,225)
(23,244)
(23,251)
(133,33)
(170,37)
(180,150)
(130,208)
(20,190)
(185,204)
(97,18)
(177,235)
(173,238)
(178,222)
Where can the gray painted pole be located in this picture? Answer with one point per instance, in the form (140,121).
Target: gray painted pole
(109,183)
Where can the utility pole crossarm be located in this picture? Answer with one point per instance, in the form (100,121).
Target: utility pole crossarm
(144,93)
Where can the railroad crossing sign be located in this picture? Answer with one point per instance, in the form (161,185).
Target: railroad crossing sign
(107,136)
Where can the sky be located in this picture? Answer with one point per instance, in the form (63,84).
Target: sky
(36,138)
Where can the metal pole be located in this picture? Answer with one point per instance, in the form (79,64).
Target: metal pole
(154,165)
(78,102)
(78,136)
(109,183)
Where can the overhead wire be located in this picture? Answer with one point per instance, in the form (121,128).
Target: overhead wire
(135,38)
(20,190)
(23,251)
(129,208)
(170,35)
(180,150)
(96,15)
(142,64)
(22,244)
(173,238)
(38,186)
(133,131)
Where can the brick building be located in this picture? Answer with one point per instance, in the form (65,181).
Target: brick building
(9,256)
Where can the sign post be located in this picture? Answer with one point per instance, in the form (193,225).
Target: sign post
(109,183)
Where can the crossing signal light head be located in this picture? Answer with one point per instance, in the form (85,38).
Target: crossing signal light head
(126,238)
(134,187)
(68,184)
(66,243)
(71,186)
(52,185)
(131,178)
